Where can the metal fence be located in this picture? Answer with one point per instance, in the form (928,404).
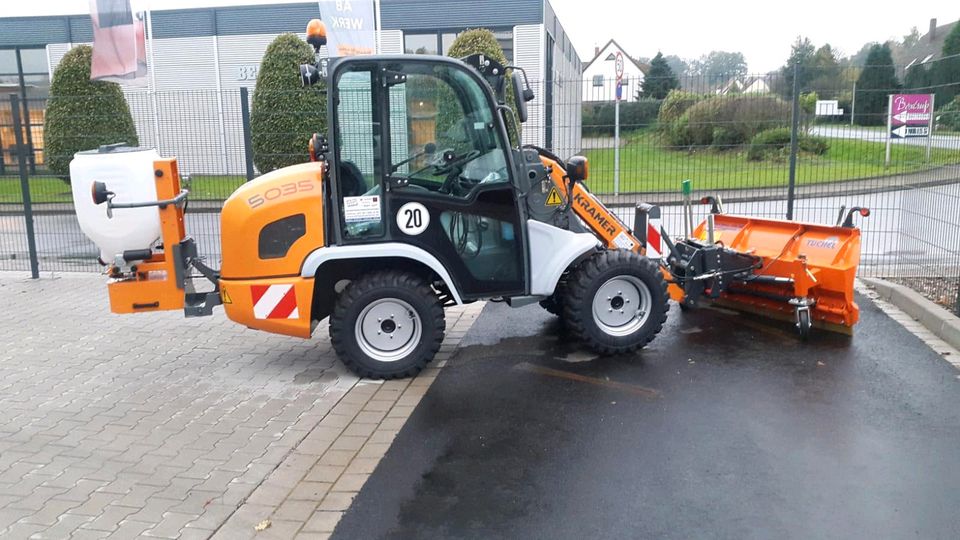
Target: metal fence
(761,142)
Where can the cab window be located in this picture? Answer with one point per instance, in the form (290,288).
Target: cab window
(442,130)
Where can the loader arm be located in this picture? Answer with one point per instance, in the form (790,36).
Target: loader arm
(598,218)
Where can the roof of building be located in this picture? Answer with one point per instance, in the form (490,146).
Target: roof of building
(403,15)
(927,48)
(644,68)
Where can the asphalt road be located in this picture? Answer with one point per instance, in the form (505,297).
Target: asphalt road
(875,135)
(724,427)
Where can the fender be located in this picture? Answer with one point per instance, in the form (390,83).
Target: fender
(389,249)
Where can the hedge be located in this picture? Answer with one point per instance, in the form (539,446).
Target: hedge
(599,117)
(285,114)
(83,114)
(776,140)
(728,120)
(948,118)
(675,104)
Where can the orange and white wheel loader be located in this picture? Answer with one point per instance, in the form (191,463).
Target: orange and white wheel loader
(416,200)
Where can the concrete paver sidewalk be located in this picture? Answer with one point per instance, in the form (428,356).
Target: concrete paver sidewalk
(157,426)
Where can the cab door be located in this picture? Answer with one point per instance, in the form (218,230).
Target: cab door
(439,156)
(452,191)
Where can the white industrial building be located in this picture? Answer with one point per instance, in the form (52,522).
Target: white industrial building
(202,56)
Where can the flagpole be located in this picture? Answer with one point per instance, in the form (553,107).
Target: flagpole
(152,69)
(377,25)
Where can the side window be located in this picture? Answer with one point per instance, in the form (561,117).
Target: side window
(442,131)
(358,147)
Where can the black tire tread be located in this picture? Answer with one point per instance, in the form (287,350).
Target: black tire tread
(578,307)
(341,328)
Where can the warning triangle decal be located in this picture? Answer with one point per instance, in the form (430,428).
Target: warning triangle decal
(553,199)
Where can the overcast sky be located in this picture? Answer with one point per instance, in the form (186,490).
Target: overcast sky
(761,30)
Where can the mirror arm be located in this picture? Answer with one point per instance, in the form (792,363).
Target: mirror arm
(504,110)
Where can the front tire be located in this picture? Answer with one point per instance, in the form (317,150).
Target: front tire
(387,325)
(616,302)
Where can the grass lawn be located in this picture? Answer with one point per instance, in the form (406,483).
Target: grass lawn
(647,166)
(49,189)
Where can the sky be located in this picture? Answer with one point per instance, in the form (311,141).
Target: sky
(762,30)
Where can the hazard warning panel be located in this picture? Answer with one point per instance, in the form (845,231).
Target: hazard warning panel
(554,199)
(274,301)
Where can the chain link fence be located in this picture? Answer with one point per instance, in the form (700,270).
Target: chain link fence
(799,143)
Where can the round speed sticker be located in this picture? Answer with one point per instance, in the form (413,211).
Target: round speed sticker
(413,218)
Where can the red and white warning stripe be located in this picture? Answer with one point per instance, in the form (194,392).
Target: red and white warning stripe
(274,302)
(653,239)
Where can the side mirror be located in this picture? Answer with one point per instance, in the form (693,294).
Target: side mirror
(578,168)
(100,193)
(519,95)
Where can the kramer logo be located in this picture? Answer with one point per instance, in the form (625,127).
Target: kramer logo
(595,213)
(827,243)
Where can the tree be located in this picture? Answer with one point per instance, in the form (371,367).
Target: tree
(678,65)
(946,71)
(912,38)
(719,67)
(802,54)
(285,114)
(823,74)
(917,78)
(877,80)
(481,40)
(660,80)
(83,114)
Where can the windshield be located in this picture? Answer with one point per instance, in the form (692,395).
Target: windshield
(442,130)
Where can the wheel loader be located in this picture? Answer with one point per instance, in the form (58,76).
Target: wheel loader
(416,200)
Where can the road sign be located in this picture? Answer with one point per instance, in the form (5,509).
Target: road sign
(911,109)
(908,132)
(909,116)
(619,66)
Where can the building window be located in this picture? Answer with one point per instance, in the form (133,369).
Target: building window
(420,43)
(597,80)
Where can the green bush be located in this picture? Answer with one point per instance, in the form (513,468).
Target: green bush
(775,141)
(83,114)
(284,114)
(739,118)
(675,104)
(948,117)
(481,40)
(599,116)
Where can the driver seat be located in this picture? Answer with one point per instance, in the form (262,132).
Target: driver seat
(351,180)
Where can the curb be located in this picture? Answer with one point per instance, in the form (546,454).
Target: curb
(935,318)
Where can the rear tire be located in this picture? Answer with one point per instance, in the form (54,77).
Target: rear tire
(387,325)
(616,302)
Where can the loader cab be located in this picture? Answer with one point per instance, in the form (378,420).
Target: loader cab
(420,156)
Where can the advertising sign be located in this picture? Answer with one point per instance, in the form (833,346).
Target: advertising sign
(351,26)
(910,115)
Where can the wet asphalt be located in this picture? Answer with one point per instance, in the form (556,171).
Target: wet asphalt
(726,426)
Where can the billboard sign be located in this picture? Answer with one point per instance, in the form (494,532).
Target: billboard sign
(910,115)
(351,26)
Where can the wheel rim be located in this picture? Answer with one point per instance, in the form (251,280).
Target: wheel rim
(388,329)
(622,305)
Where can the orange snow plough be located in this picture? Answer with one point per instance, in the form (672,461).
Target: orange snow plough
(783,269)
